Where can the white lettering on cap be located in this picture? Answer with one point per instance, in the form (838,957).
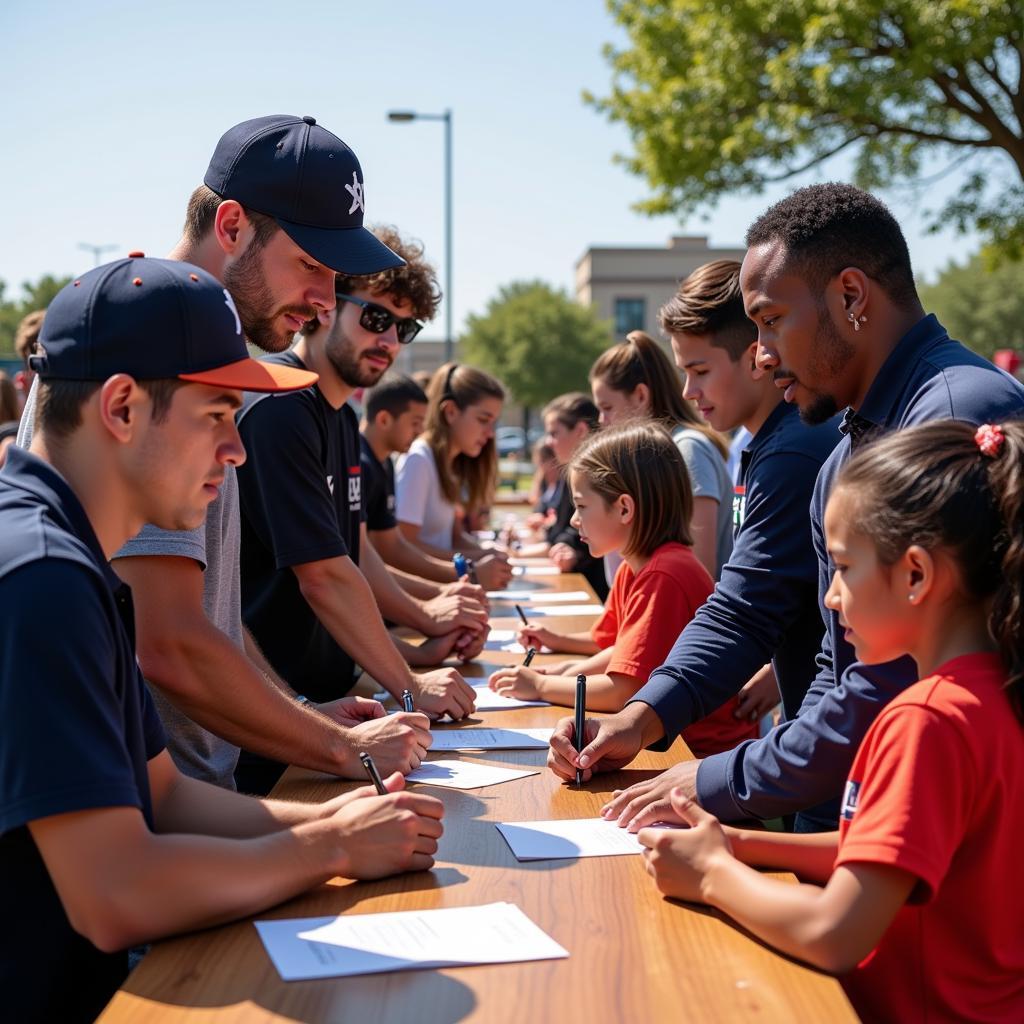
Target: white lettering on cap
(356,191)
(230,303)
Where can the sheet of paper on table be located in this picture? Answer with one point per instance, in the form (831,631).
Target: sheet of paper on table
(536,570)
(505,640)
(465,774)
(564,609)
(490,739)
(558,840)
(339,947)
(487,700)
(539,596)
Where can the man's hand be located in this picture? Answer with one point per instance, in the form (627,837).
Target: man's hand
(443,692)
(563,556)
(647,802)
(463,588)
(758,696)
(679,859)
(350,711)
(447,613)
(382,835)
(397,743)
(516,681)
(610,742)
(493,570)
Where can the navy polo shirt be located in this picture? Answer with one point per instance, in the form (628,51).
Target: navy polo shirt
(78,730)
(378,488)
(802,764)
(765,604)
(300,494)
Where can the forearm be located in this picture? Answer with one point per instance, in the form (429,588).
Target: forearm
(598,662)
(399,553)
(811,855)
(344,604)
(574,643)
(414,586)
(393,602)
(411,532)
(604,692)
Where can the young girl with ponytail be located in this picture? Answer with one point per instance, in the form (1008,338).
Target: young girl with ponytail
(914,902)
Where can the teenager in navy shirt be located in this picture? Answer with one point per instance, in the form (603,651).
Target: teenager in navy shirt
(104,844)
(828,283)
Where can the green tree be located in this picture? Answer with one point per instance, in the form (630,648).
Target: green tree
(722,98)
(982,307)
(536,340)
(37,295)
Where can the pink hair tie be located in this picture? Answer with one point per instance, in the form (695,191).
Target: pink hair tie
(989,438)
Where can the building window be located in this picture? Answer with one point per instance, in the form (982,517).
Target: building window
(629,316)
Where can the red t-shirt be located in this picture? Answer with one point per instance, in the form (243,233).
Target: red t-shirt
(643,617)
(937,789)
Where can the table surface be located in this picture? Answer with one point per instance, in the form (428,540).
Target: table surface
(634,956)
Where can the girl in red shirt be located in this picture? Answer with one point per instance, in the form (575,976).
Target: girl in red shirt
(916,900)
(632,494)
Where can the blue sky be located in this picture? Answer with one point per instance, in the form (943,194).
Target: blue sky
(112,109)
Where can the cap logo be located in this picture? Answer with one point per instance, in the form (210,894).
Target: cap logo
(230,303)
(356,191)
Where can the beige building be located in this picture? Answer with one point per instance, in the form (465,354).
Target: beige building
(628,286)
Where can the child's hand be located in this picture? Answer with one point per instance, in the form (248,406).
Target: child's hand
(679,859)
(563,556)
(538,636)
(516,681)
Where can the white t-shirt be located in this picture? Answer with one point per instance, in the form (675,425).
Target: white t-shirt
(418,497)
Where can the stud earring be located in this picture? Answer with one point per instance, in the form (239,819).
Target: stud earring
(856,320)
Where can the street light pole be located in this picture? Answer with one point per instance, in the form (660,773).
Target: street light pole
(411,115)
(97,250)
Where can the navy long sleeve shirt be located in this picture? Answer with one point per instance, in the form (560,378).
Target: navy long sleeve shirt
(802,764)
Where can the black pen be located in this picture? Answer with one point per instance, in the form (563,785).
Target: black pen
(522,614)
(530,654)
(407,703)
(581,710)
(371,771)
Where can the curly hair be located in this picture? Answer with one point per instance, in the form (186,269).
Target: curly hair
(414,283)
(825,228)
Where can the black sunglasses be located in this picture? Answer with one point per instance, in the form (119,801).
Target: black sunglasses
(377,319)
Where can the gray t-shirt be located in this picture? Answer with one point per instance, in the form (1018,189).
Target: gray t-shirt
(710,479)
(215,546)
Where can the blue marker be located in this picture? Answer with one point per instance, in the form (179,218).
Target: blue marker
(461,565)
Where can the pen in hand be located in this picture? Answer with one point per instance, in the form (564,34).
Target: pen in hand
(530,655)
(407,701)
(579,718)
(374,775)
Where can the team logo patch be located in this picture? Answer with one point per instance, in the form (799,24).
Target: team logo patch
(850,794)
(739,505)
(355,190)
(355,488)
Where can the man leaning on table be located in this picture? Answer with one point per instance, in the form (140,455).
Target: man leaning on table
(103,842)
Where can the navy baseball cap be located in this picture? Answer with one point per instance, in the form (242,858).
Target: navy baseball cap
(309,181)
(153,319)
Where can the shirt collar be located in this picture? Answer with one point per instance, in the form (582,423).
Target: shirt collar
(38,478)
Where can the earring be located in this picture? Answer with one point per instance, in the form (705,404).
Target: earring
(856,320)
(910,598)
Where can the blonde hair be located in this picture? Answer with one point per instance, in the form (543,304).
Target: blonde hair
(467,481)
(640,459)
(640,360)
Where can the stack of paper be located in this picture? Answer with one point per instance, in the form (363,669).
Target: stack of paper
(505,640)
(338,947)
(491,739)
(536,570)
(487,700)
(465,774)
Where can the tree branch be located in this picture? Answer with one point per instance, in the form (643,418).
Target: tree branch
(988,117)
(812,161)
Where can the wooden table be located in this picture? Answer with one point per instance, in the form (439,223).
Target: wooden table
(634,956)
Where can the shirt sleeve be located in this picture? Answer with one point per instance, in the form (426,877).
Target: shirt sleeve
(64,745)
(379,516)
(412,488)
(282,486)
(768,579)
(914,801)
(699,454)
(153,541)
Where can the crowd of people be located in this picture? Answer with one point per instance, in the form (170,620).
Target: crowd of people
(820,506)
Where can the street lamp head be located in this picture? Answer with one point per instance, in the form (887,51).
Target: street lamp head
(401,115)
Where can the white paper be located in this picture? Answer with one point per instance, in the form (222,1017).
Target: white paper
(491,739)
(465,774)
(487,700)
(338,947)
(566,609)
(538,596)
(557,840)
(536,570)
